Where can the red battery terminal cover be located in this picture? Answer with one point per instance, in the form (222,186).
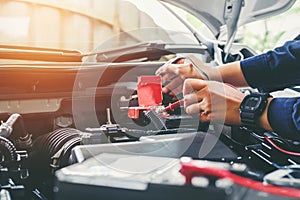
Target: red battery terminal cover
(149,90)
(134,112)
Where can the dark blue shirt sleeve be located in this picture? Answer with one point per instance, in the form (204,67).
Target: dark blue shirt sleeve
(284,117)
(277,70)
(274,70)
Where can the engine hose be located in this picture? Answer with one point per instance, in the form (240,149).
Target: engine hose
(7,150)
(59,158)
(46,147)
(44,159)
(21,138)
(60,138)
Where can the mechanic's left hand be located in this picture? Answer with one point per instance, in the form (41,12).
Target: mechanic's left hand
(212,101)
(174,73)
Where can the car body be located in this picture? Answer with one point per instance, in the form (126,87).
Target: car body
(68,74)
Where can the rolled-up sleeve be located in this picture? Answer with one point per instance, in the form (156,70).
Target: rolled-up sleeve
(284,116)
(275,69)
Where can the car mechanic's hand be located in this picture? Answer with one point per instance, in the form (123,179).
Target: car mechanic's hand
(174,74)
(212,101)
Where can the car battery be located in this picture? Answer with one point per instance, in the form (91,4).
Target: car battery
(193,144)
(123,176)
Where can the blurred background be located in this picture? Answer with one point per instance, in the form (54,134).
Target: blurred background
(83,25)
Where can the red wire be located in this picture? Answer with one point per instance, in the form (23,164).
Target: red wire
(280,149)
(174,105)
(190,170)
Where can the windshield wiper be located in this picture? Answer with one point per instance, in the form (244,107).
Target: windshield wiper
(148,51)
(39,54)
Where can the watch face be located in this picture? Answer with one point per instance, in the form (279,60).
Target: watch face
(252,103)
(252,107)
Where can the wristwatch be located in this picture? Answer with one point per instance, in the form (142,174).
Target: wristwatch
(252,107)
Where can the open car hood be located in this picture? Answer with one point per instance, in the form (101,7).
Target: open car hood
(232,13)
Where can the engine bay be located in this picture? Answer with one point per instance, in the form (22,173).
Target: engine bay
(83,115)
(57,118)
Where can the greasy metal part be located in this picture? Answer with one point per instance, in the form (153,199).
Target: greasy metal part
(24,139)
(288,176)
(63,121)
(108,116)
(155,120)
(6,127)
(24,142)
(233,11)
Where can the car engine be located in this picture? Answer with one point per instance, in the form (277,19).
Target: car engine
(49,153)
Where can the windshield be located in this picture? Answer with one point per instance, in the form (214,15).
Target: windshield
(85,25)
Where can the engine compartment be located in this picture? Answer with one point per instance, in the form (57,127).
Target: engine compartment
(57,115)
(72,124)
(48,108)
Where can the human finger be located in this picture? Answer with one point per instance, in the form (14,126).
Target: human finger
(173,84)
(191,85)
(202,70)
(190,99)
(173,71)
(192,108)
(187,70)
(177,90)
(176,60)
(166,68)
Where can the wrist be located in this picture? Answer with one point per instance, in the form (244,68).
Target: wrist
(263,120)
(233,118)
(253,110)
(232,73)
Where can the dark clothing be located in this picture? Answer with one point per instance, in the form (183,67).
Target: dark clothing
(276,70)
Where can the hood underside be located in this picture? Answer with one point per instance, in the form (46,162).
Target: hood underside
(233,13)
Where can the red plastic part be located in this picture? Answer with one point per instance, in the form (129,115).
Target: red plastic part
(149,90)
(134,112)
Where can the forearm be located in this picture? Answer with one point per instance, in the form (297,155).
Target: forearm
(230,73)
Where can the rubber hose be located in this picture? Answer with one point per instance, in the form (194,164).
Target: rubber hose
(7,150)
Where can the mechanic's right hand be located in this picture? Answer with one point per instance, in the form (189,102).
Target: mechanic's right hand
(174,74)
(212,101)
